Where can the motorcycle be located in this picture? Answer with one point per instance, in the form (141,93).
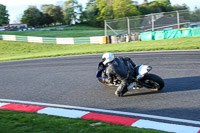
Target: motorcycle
(142,78)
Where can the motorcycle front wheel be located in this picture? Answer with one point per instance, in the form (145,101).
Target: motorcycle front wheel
(152,82)
(105,83)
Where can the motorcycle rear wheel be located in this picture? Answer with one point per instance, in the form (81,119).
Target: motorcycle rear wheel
(154,82)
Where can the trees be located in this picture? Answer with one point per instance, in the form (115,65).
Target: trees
(195,16)
(105,9)
(113,9)
(155,7)
(56,12)
(45,8)
(72,11)
(3,15)
(180,7)
(32,16)
(124,8)
(95,12)
(165,5)
(90,14)
(51,14)
(45,19)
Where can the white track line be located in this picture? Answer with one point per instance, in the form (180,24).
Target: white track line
(105,111)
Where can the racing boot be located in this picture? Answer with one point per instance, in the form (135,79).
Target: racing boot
(121,90)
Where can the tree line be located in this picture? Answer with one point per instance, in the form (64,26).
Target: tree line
(95,12)
(4,16)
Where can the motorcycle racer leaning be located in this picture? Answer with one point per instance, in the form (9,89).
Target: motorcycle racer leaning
(121,68)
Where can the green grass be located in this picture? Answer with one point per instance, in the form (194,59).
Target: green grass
(23,50)
(72,31)
(56,34)
(22,122)
(83,27)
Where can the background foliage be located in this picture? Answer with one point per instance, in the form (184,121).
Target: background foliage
(3,15)
(94,14)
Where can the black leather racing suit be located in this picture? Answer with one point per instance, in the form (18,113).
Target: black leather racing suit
(121,68)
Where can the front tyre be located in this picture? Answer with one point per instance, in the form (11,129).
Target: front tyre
(105,83)
(153,82)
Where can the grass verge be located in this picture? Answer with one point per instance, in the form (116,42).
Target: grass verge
(57,34)
(72,31)
(23,50)
(21,122)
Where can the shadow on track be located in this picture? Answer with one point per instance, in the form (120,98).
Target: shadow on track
(174,85)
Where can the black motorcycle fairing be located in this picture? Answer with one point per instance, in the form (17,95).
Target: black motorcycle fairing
(100,69)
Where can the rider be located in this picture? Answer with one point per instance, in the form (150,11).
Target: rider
(121,68)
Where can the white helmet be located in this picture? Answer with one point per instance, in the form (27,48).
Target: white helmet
(107,57)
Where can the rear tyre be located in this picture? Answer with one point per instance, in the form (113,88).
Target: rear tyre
(154,82)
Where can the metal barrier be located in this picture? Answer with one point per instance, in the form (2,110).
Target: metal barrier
(150,22)
(123,38)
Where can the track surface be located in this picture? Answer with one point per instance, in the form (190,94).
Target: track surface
(71,81)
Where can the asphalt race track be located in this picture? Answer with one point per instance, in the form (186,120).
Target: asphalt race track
(71,81)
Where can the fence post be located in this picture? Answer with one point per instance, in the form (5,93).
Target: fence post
(128,24)
(105,26)
(152,21)
(178,19)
